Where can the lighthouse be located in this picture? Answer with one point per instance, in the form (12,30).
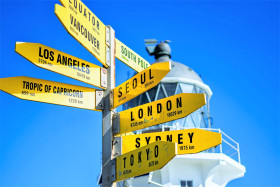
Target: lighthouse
(214,167)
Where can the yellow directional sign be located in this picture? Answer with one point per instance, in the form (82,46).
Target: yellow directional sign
(144,160)
(49,92)
(160,111)
(85,27)
(188,140)
(140,83)
(129,57)
(63,63)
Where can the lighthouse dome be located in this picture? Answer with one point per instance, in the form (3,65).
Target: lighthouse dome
(181,70)
(162,53)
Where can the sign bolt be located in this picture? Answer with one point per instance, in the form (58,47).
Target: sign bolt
(116,141)
(108,178)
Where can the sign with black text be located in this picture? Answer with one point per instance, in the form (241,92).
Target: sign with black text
(144,160)
(63,63)
(49,92)
(140,83)
(188,140)
(160,111)
(84,29)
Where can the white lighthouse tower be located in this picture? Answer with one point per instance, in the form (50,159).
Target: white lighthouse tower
(215,167)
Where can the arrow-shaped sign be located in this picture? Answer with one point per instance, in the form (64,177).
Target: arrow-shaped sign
(157,112)
(140,83)
(144,160)
(130,58)
(50,92)
(188,140)
(87,33)
(63,63)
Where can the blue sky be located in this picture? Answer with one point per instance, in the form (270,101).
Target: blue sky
(233,45)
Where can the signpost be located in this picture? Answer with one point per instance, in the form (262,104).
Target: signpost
(141,153)
(144,160)
(157,112)
(63,63)
(130,58)
(87,30)
(140,83)
(51,92)
(188,140)
(107,114)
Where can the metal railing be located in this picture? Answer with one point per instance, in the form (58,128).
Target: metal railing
(228,146)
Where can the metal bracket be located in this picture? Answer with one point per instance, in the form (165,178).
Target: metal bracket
(111,98)
(117,147)
(99,101)
(103,77)
(116,123)
(107,36)
(108,56)
(110,171)
(114,110)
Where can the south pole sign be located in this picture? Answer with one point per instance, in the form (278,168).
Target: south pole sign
(130,58)
(157,112)
(140,83)
(49,92)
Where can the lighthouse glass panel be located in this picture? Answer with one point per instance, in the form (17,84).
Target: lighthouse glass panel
(198,119)
(170,88)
